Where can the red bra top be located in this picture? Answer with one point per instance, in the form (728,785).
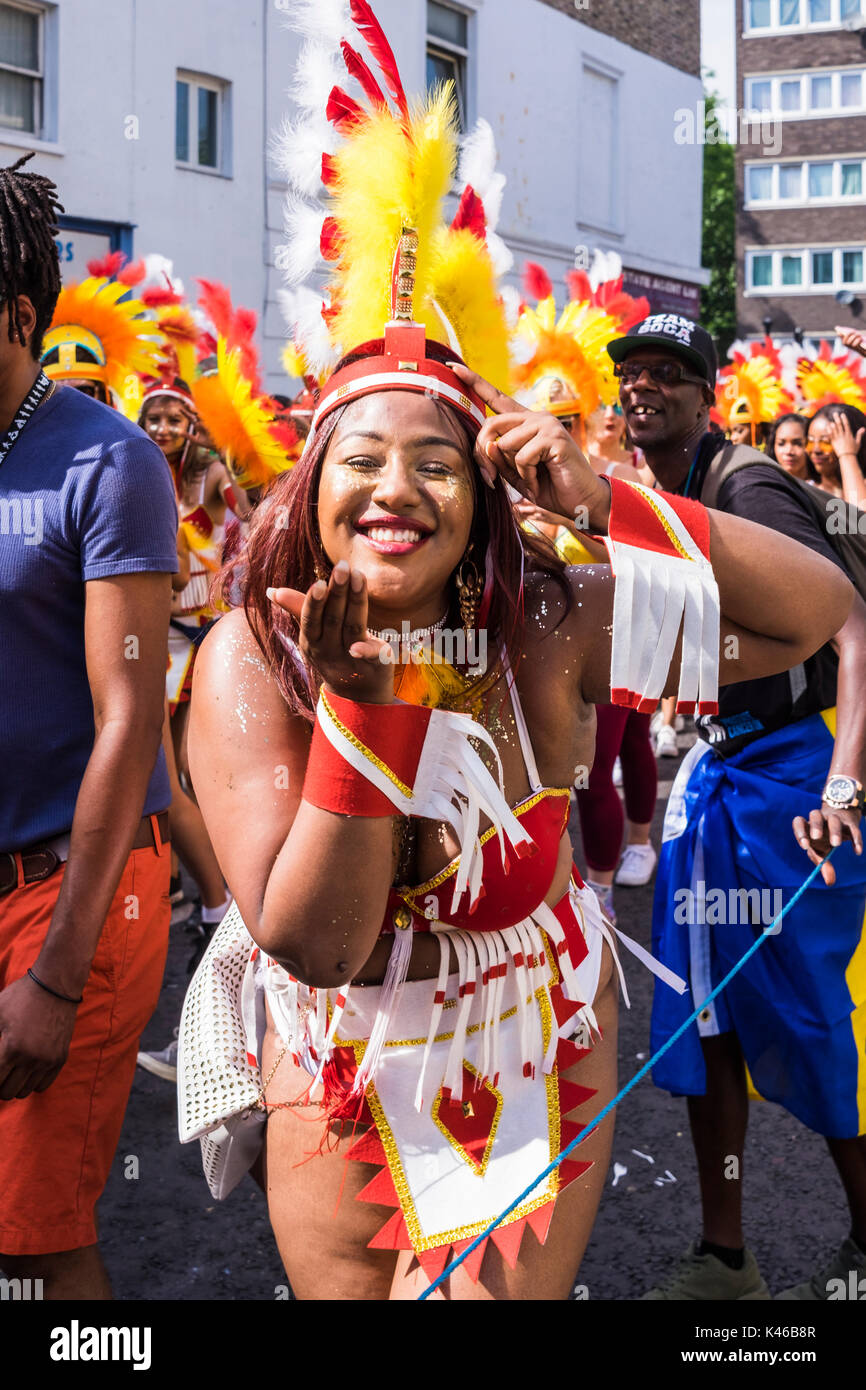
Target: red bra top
(509,893)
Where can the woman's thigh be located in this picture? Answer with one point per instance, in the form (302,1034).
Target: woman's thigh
(548,1271)
(321,1231)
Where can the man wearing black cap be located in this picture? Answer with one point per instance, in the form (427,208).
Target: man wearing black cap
(794,1014)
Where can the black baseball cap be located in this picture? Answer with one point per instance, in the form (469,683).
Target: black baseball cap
(677,335)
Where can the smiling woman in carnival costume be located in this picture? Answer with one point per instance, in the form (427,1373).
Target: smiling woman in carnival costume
(414,987)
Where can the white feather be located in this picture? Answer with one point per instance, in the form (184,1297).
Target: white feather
(156,268)
(325,21)
(318,70)
(478,168)
(606,265)
(297,151)
(511,300)
(311,333)
(303,227)
(500,254)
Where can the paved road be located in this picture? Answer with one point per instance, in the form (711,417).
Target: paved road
(166,1239)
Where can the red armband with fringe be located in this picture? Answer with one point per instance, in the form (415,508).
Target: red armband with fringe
(659,549)
(373,760)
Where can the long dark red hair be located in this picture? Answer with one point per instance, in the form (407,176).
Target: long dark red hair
(284,547)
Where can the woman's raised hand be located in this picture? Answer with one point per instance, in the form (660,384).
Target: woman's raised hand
(842,437)
(853,339)
(334,639)
(538,456)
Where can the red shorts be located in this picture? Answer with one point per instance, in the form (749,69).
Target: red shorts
(56,1148)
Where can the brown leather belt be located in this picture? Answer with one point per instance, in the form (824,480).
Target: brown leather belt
(39,862)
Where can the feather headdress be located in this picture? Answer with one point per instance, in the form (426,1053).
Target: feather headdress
(750,391)
(386,170)
(562,361)
(226,389)
(99,332)
(828,380)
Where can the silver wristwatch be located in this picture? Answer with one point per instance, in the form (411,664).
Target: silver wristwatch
(844,793)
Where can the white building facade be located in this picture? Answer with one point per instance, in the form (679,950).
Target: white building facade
(154,119)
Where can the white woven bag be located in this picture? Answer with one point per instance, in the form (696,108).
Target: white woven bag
(219,1084)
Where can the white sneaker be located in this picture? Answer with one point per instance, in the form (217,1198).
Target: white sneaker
(636,866)
(617,773)
(666,743)
(163,1064)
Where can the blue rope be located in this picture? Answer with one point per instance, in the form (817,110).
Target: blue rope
(638,1076)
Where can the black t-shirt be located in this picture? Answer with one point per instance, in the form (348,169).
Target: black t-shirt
(750,709)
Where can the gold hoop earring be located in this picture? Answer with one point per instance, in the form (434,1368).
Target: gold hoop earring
(470,587)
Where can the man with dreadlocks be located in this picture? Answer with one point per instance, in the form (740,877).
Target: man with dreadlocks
(87,546)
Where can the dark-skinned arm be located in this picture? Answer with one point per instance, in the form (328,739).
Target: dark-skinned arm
(127,686)
(311,885)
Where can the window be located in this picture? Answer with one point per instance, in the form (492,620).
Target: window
(793,94)
(782,16)
(599,168)
(762,271)
(791,181)
(821,93)
(201,116)
(761,96)
(805,270)
(822,267)
(448,51)
(820,180)
(21,69)
(760,183)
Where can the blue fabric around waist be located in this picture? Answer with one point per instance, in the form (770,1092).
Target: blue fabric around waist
(799,1005)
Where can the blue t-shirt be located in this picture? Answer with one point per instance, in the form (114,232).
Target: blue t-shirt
(84,494)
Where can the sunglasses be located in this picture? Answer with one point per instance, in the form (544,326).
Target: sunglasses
(662,373)
(819,446)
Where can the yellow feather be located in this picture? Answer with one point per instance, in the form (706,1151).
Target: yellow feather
(130,337)
(385,181)
(237,422)
(464,286)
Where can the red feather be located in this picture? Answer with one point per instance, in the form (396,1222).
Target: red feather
(470,214)
(629,311)
(329,242)
(371,30)
(536,281)
(284,432)
(157,297)
(358,69)
(579,287)
(132,274)
(108,266)
(329,170)
(216,302)
(343,111)
(207,346)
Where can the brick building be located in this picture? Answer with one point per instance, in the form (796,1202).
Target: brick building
(801,173)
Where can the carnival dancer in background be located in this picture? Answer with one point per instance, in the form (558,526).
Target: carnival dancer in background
(786,445)
(836,445)
(750,394)
(781,743)
(563,367)
(377,917)
(84,872)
